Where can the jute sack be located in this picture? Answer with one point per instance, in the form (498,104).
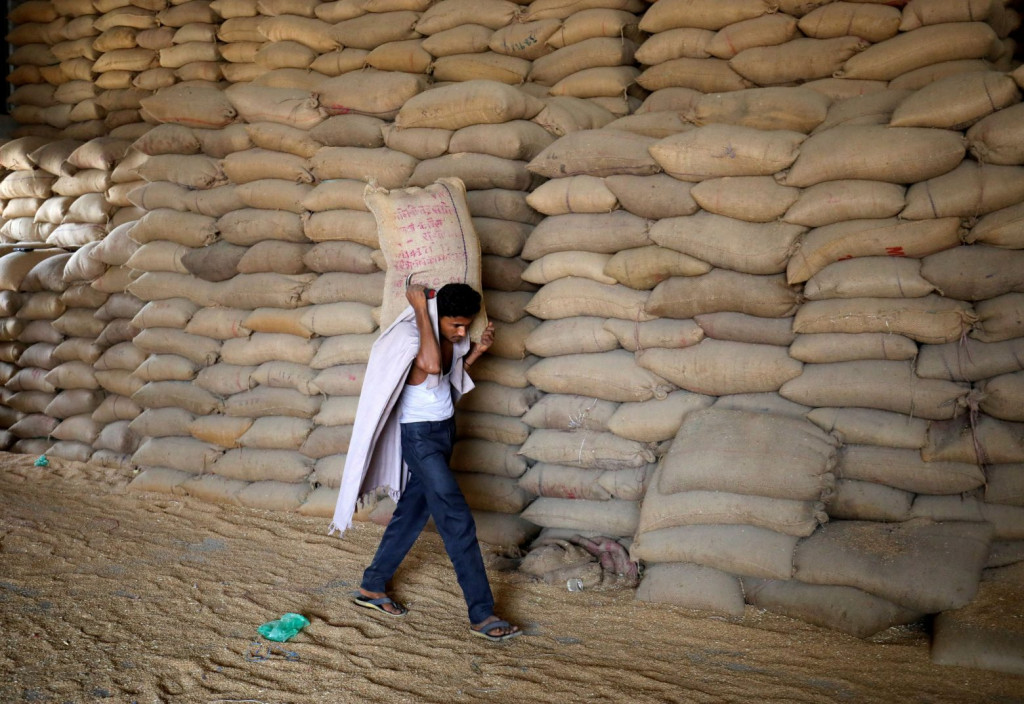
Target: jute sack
(978,635)
(495,398)
(492,14)
(34,425)
(785,458)
(970,190)
(518,139)
(885,385)
(573,296)
(327,440)
(717,367)
(1003,484)
(386,167)
(921,565)
(477,172)
(557,265)
(265,401)
(799,59)
(727,150)
(277,321)
(286,375)
(80,428)
(847,609)
(162,422)
(721,290)
(274,495)
(482,66)
(314,33)
(703,75)
(704,14)
(223,431)
(587,449)
(226,379)
(999,318)
(160,256)
(602,82)
(501,237)
(492,427)
(656,125)
(687,508)
(870,238)
(739,327)
(604,233)
(192,105)
(451,252)
(1003,228)
(823,348)
(752,248)
(871,427)
(173,394)
(192,171)
(589,53)
(866,501)
(985,441)
(671,334)
(928,45)
(341,380)
(570,412)
(873,107)
(335,194)
(577,335)
(562,482)
(904,469)
(74,322)
(486,492)
(658,419)
(288,106)
(274,256)
(508,306)
(255,164)
(166,367)
(510,372)
(644,267)
(340,256)
(349,130)
(472,455)
(996,139)
(73,402)
(1005,521)
(749,198)
(970,360)
(460,105)
(692,587)
(263,465)
(975,272)
(875,153)
(564,114)
(356,226)
(958,101)
(918,14)
(216,262)
(1001,396)
(420,142)
(267,347)
(614,517)
(612,376)
(766,30)
(184,454)
(475,38)
(746,550)
(596,153)
(929,319)
(869,277)
(258,290)
(343,349)
(874,23)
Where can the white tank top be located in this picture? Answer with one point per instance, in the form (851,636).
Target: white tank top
(418,403)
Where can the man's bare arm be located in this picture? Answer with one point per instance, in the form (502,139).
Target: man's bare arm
(428,358)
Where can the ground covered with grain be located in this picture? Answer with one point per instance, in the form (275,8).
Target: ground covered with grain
(107,594)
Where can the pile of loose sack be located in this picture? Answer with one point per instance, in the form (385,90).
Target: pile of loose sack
(755,267)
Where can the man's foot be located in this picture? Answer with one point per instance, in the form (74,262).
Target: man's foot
(494,629)
(379,601)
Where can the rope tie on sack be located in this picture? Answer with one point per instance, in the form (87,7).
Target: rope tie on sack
(973,402)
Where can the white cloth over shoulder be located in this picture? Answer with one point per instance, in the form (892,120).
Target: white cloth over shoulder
(374,459)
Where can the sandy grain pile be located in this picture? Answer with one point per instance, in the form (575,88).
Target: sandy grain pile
(150,598)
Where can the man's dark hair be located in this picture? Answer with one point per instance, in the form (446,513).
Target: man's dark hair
(457,301)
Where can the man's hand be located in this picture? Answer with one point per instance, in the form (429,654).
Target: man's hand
(478,348)
(416,294)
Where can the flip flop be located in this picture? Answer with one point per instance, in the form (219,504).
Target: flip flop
(485,632)
(378,604)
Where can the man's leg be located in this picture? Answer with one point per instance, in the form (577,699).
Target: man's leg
(406,524)
(427,449)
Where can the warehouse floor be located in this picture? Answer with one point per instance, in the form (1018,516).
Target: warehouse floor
(106,594)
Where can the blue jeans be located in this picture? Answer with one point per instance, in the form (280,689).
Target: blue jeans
(432,491)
